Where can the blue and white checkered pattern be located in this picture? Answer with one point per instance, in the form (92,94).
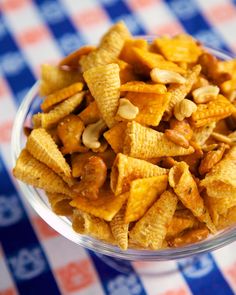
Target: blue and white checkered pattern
(33,258)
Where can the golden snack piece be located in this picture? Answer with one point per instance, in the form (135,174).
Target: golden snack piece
(166,77)
(70,130)
(120,229)
(211,159)
(181,48)
(126,110)
(219,206)
(221,180)
(41,145)
(92,178)
(92,133)
(78,160)
(53,99)
(90,114)
(179,92)
(185,187)
(143,142)
(190,237)
(151,229)
(182,220)
(145,61)
(87,224)
(184,109)
(227,219)
(201,134)
(35,173)
(151,106)
(125,169)
(127,72)
(36,120)
(53,78)
(115,136)
(60,203)
(127,53)
(212,111)
(72,60)
(109,48)
(137,204)
(105,206)
(49,120)
(104,84)
(141,87)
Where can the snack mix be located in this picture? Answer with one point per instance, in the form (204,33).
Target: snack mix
(136,141)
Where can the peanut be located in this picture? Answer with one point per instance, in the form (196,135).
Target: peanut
(166,77)
(205,94)
(127,110)
(177,137)
(211,158)
(184,109)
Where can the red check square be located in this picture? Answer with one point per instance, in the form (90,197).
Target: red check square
(89,18)
(12,5)
(76,276)
(221,13)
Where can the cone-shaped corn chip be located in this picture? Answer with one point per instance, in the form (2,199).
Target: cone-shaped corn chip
(88,224)
(144,61)
(105,206)
(108,49)
(190,237)
(212,111)
(182,48)
(182,220)
(35,173)
(115,136)
(127,53)
(143,193)
(142,87)
(221,180)
(36,120)
(41,145)
(60,204)
(90,114)
(227,219)
(53,79)
(120,229)
(66,107)
(79,160)
(60,95)
(125,169)
(151,106)
(200,135)
(179,92)
(72,60)
(219,206)
(143,142)
(151,229)
(104,84)
(181,180)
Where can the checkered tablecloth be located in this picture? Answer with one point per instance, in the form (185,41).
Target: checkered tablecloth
(34,259)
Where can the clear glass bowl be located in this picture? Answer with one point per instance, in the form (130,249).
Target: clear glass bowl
(62,225)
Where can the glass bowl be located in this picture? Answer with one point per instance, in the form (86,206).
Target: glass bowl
(62,225)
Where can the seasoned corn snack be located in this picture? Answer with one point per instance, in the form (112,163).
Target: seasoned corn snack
(136,142)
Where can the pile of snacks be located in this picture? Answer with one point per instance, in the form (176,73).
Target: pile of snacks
(136,141)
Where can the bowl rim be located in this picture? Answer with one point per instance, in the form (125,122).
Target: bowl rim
(63,225)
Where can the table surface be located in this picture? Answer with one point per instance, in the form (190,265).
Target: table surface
(34,259)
